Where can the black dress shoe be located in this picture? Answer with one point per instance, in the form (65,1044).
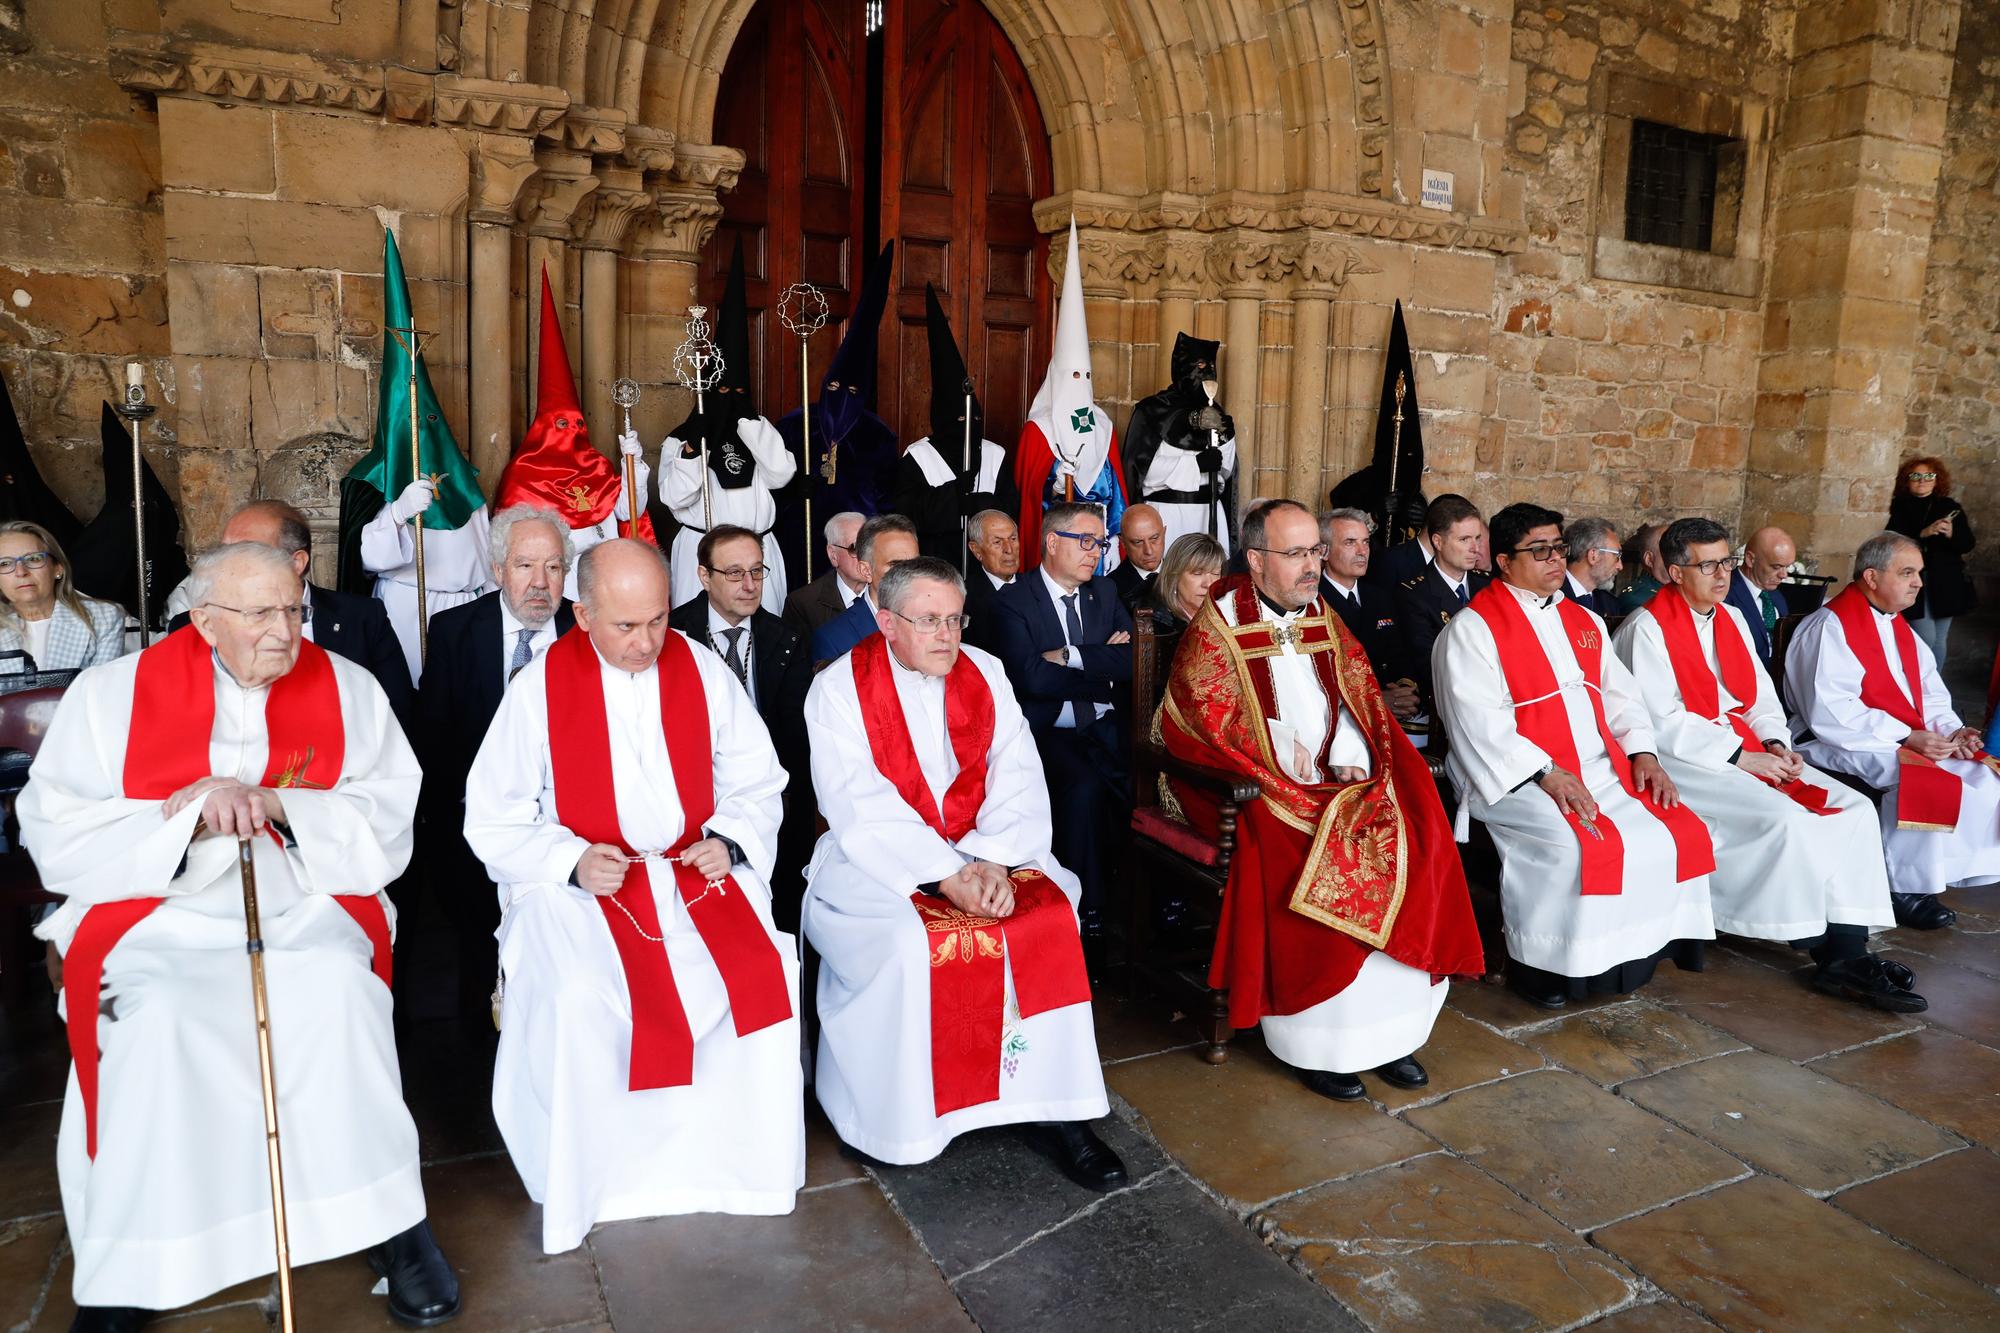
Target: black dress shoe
(1085,1158)
(1546,997)
(1880,982)
(1340,1087)
(422,1288)
(1921,911)
(108,1319)
(1404,1073)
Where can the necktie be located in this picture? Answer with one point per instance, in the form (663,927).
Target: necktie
(1075,625)
(1770,613)
(733,653)
(1459,592)
(523,650)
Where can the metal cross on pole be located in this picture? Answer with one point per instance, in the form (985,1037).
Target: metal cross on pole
(625,393)
(698,365)
(412,341)
(803,311)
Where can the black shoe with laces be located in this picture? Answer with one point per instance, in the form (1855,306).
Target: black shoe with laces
(1404,1073)
(1085,1158)
(1921,911)
(1880,982)
(422,1288)
(1340,1087)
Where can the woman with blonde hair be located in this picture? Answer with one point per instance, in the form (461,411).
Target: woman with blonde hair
(1923,510)
(1177,592)
(42,612)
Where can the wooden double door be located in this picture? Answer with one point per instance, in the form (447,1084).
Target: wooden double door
(923,131)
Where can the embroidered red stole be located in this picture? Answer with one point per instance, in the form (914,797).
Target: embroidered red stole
(970,954)
(1737,670)
(587,803)
(173,721)
(1542,718)
(1927,796)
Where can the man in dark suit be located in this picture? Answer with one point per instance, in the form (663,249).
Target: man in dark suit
(771,661)
(474,651)
(1066,641)
(882,541)
(1767,558)
(834,591)
(1595,557)
(994,539)
(1364,608)
(1143,538)
(1430,598)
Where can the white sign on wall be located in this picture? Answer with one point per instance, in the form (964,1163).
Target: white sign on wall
(1437,190)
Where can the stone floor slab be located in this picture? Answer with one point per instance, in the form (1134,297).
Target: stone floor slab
(1459,1054)
(1965,945)
(28,1160)
(1931,1073)
(231,1319)
(1434,1243)
(27,1252)
(1659,1317)
(826,1164)
(1770,1009)
(1609,1046)
(1944,1208)
(1583,1154)
(992,1189)
(1249,1130)
(1965,1002)
(1127,1029)
(1491,1003)
(448,1084)
(841,1260)
(1163,1256)
(1763,1255)
(34,1057)
(1816,1133)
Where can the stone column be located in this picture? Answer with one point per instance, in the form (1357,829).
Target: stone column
(659,284)
(501,166)
(550,218)
(1322,268)
(617,202)
(1180,260)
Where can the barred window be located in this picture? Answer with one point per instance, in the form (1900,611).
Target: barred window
(1670,186)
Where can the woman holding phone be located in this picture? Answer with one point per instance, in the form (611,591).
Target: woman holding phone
(1923,509)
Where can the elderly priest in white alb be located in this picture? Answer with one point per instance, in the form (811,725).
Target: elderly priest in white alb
(154,768)
(952,990)
(1603,872)
(1798,857)
(1848,676)
(626,800)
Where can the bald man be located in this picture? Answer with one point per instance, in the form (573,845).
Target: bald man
(1144,538)
(1767,558)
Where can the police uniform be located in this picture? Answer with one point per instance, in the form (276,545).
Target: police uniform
(1424,605)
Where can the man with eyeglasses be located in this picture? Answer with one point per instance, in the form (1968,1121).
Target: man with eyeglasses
(1798,857)
(1066,640)
(1346,904)
(807,608)
(952,986)
(1595,558)
(627,800)
(881,542)
(1429,598)
(768,659)
(1603,870)
(159,769)
(1767,562)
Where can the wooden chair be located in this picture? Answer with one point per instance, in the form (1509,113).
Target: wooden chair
(24,720)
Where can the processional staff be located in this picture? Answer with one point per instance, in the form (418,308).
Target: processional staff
(412,341)
(698,365)
(1393,502)
(970,482)
(260,1001)
(136,409)
(625,393)
(803,311)
(1213,419)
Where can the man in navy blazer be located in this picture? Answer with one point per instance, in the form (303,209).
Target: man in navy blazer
(1767,558)
(883,541)
(1595,557)
(1066,641)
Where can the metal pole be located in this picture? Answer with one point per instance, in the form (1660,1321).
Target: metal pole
(625,392)
(806,443)
(136,409)
(260,999)
(971,483)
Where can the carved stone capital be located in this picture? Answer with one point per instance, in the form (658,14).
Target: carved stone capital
(1322,266)
(408,95)
(678,223)
(501,108)
(502,165)
(1246,264)
(228,74)
(1180,259)
(596,130)
(616,204)
(550,211)
(648,149)
(710,165)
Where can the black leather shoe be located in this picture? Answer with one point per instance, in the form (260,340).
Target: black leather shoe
(108,1319)
(1875,981)
(1340,1087)
(1921,911)
(1404,1073)
(1552,997)
(422,1288)
(1085,1158)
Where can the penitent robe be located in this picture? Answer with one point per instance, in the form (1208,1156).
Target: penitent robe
(457,568)
(741,482)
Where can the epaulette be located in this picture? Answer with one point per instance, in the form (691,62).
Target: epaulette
(1414,583)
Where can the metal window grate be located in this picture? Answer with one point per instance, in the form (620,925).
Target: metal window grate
(1670,186)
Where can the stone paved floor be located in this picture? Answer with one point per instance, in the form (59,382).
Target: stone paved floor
(1725,1149)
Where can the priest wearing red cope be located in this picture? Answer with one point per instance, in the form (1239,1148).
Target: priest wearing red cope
(1603,871)
(1798,857)
(627,800)
(1346,907)
(952,990)
(154,769)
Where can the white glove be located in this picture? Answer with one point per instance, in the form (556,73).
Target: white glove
(642,477)
(628,444)
(415,499)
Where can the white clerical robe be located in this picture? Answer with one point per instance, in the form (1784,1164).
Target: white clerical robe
(1177,469)
(1548,921)
(753,506)
(582,539)
(873,1077)
(1837,731)
(588,1148)
(1388,1010)
(457,568)
(177,1202)
(1781,871)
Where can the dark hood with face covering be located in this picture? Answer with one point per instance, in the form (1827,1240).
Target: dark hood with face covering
(1168,417)
(949,385)
(729,400)
(848,386)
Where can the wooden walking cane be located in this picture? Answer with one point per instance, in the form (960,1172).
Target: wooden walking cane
(260,999)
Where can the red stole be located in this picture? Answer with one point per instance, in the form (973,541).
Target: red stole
(1737,669)
(173,720)
(1927,797)
(587,805)
(1543,719)
(970,954)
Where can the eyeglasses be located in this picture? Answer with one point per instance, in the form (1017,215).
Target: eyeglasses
(32,560)
(1607,550)
(1089,541)
(1923,476)
(259,617)
(836,546)
(932,624)
(738,574)
(1726,565)
(1543,552)
(1297,552)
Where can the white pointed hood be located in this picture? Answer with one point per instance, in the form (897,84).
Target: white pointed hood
(1065,408)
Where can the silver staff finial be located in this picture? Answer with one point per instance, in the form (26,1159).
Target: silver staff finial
(802,309)
(697,363)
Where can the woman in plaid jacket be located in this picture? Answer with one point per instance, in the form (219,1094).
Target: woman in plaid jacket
(42,612)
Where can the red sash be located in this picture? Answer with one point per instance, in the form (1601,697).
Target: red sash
(173,720)
(1544,720)
(970,954)
(580,754)
(1927,797)
(1738,672)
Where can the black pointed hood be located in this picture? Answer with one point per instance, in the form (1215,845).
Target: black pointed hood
(728,400)
(949,385)
(24,496)
(103,559)
(1194,360)
(848,387)
(1391,487)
